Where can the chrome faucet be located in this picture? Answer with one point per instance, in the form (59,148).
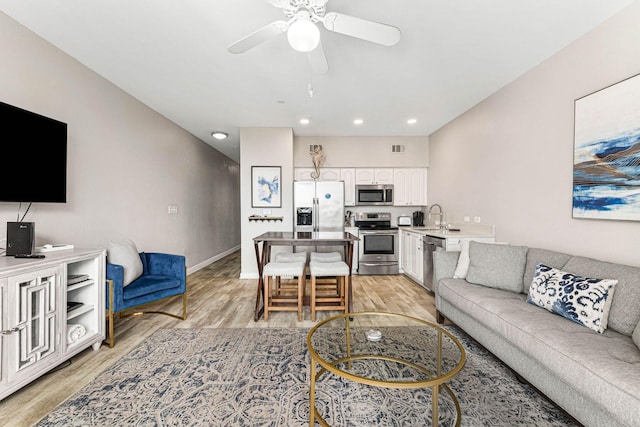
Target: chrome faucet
(440,214)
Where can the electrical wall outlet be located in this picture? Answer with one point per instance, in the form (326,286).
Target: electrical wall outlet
(476,219)
(173,209)
(466,219)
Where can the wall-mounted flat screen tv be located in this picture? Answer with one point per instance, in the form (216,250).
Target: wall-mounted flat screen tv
(34,157)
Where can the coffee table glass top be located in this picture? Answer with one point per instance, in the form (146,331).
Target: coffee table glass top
(386,349)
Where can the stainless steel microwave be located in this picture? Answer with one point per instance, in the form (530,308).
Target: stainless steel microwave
(374,195)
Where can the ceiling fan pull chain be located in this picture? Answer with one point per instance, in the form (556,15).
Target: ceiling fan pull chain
(310,75)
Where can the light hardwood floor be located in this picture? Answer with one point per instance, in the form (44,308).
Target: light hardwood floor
(216,299)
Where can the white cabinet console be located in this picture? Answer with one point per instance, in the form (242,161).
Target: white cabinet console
(50,309)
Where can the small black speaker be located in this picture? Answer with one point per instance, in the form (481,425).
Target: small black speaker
(20,238)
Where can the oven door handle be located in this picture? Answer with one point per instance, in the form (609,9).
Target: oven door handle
(378,264)
(380,232)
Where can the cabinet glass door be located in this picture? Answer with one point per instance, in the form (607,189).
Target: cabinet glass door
(35,317)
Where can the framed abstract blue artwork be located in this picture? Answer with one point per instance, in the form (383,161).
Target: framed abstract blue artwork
(265,187)
(606,159)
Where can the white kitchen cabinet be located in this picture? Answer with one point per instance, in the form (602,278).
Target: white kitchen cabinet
(374,175)
(329,174)
(303,174)
(411,262)
(410,186)
(326,174)
(34,317)
(348,175)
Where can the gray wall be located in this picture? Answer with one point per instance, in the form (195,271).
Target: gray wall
(126,163)
(509,160)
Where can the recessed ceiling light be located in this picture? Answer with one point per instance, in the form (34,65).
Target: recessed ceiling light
(219,135)
(304,121)
(358,121)
(412,121)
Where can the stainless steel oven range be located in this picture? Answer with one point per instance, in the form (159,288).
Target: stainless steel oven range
(378,246)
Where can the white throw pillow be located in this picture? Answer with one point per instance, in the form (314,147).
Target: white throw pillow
(126,254)
(463,261)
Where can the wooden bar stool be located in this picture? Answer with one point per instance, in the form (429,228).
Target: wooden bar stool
(332,297)
(328,285)
(288,257)
(278,297)
(325,256)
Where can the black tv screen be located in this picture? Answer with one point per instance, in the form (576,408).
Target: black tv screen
(34,152)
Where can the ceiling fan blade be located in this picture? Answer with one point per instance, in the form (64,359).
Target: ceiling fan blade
(278,3)
(259,36)
(376,32)
(317,60)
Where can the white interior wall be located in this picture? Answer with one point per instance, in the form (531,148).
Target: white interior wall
(126,163)
(264,147)
(509,160)
(363,151)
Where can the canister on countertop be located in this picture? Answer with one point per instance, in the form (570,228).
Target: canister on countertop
(404,220)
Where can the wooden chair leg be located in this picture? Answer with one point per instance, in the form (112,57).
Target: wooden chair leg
(345,292)
(313,298)
(267,297)
(301,284)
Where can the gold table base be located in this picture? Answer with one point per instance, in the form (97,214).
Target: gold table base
(436,383)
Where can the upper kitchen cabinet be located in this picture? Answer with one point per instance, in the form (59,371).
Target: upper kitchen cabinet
(410,186)
(374,175)
(348,175)
(326,174)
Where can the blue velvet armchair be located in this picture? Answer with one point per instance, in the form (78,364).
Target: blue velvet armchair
(163,276)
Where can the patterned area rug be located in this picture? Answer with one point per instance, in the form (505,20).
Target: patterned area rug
(259,377)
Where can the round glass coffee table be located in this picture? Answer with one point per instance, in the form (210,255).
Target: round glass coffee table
(384,350)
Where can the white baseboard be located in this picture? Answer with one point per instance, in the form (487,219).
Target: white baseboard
(248,275)
(211,260)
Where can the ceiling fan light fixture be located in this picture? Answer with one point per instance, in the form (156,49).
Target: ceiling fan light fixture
(219,135)
(303,35)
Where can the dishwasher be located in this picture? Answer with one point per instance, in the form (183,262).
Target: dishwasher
(430,244)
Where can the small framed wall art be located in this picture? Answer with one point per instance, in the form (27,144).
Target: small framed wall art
(606,157)
(265,187)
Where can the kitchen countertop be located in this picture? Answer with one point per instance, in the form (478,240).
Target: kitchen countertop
(466,231)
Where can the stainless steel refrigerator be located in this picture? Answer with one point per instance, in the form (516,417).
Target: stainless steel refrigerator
(318,206)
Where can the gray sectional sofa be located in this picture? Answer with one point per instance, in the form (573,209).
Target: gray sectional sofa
(594,376)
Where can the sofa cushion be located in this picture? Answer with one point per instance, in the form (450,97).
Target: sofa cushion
(585,301)
(544,256)
(497,266)
(150,285)
(625,307)
(126,254)
(636,336)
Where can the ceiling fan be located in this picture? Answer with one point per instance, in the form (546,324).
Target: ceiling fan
(304,35)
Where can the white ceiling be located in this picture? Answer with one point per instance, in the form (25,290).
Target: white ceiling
(172,55)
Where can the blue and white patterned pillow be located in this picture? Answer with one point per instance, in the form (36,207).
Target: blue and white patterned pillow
(585,301)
